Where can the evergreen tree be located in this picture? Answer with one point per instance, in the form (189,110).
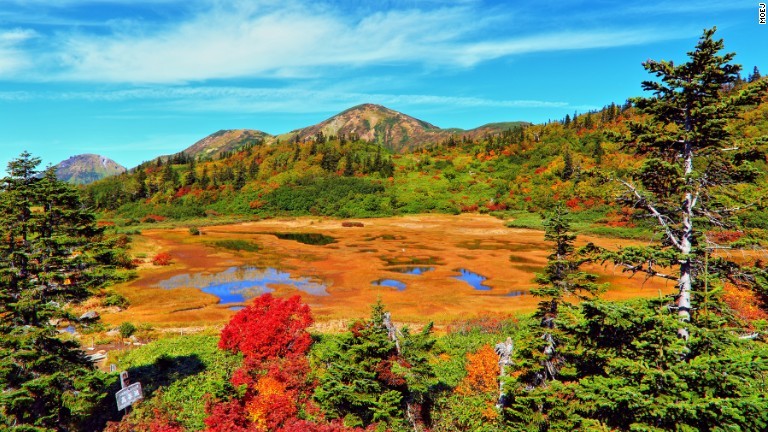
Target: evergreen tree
(53,255)
(685,140)
(542,359)
(568,169)
(348,169)
(755,75)
(141,184)
(377,374)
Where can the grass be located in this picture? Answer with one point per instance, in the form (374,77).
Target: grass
(237,245)
(186,368)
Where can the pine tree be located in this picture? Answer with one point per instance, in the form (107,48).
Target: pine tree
(568,169)
(53,255)
(690,158)
(377,374)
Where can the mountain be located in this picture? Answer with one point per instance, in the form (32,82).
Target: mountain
(87,168)
(225,141)
(375,123)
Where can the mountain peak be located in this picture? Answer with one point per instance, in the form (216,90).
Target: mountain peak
(375,123)
(223,141)
(87,168)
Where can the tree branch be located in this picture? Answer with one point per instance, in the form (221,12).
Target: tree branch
(644,202)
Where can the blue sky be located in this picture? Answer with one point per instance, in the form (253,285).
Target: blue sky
(133,79)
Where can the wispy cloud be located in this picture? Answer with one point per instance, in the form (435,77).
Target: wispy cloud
(13,58)
(295,38)
(272,100)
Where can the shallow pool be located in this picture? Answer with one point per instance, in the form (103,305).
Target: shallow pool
(473,279)
(238,284)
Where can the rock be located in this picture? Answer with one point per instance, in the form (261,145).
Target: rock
(90,315)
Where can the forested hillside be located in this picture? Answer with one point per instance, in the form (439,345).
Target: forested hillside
(513,170)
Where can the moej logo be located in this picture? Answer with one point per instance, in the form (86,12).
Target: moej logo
(761,13)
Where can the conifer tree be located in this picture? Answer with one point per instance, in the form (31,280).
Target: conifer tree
(53,255)
(374,376)
(691,157)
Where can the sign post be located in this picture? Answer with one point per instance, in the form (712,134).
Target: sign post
(129,394)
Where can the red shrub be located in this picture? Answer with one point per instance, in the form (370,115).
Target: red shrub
(153,218)
(269,328)
(496,206)
(469,208)
(162,259)
(350,224)
(573,203)
(725,236)
(182,191)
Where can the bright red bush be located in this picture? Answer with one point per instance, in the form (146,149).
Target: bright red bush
(162,259)
(269,328)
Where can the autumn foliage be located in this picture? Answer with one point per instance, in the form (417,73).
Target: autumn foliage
(482,369)
(274,380)
(269,328)
(162,259)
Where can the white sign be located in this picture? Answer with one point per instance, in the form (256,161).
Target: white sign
(128,396)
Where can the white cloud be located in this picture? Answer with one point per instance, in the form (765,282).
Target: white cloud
(298,38)
(13,58)
(243,100)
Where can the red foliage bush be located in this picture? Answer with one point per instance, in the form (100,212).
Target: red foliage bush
(269,328)
(182,191)
(725,236)
(162,259)
(573,203)
(496,206)
(153,218)
(469,208)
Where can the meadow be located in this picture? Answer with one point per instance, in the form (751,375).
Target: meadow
(435,259)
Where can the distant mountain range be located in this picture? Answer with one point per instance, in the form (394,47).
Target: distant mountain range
(87,168)
(375,123)
(370,122)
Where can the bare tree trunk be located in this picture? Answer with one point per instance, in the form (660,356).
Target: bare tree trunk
(686,278)
(410,406)
(504,351)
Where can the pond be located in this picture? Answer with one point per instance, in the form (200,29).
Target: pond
(473,279)
(306,238)
(400,286)
(238,284)
(411,270)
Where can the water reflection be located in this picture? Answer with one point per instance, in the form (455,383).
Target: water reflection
(306,238)
(473,279)
(237,284)
(400,286)
(412,270)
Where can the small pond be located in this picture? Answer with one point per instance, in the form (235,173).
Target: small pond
(237,284)
(306,238)
(400,286)
(473,279)
(411,270)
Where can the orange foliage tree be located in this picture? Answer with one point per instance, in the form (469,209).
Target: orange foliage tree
(482,371)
